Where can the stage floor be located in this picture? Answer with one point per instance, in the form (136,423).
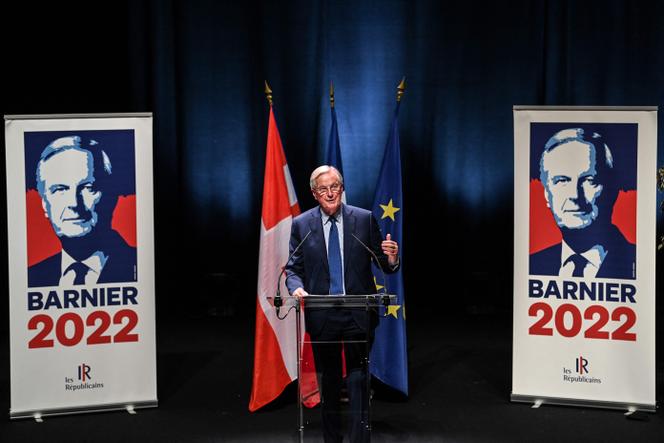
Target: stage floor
(460,375)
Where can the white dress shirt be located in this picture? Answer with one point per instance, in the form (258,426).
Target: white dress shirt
(95,262)
(594,255)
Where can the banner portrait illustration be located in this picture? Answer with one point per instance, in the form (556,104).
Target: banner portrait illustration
(83,185)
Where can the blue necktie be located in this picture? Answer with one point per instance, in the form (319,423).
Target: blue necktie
(580,263)
(334,259)
(80,270)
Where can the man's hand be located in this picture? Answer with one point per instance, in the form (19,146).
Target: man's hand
(300,292)
(391,249)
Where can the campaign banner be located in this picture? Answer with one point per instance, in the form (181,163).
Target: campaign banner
(584,256)
(81,263)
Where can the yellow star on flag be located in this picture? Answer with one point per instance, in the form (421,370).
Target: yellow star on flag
(392,310)
(389,210)
(378,287)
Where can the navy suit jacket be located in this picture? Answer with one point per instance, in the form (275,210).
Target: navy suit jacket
(120,266)
(309,268)
(619,262)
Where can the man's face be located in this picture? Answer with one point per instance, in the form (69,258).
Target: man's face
(328,192)
(571,187)
(70,196)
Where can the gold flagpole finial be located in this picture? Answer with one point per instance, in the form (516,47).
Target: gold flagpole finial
(268,93)
(401,89)
(331,95)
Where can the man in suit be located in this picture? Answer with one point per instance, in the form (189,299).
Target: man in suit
(581,185)
(332,260)
(74,180)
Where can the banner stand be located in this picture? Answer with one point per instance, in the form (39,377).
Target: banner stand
(81,263)
(584,323)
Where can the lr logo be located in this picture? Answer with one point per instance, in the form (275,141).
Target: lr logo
(84,372)
(581,365)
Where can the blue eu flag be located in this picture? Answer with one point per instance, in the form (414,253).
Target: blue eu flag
(389,360)
(333,153)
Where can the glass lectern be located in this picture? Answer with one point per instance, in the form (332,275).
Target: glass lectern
(338,374)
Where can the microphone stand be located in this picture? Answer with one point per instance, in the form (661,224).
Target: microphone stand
(386,298)
(278,302)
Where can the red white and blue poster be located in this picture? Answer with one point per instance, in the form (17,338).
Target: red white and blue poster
(81,263)
(584,256)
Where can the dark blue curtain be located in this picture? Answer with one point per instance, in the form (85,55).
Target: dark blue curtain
(200,66)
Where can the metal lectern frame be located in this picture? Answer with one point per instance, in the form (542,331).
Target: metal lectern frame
(366,301)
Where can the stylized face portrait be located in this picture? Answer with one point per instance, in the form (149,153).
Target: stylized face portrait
(571,184)
(69,195)
(327,192)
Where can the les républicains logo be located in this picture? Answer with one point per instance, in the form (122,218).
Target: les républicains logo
(582,370)
(84,379)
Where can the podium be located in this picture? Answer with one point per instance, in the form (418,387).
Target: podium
(342,412)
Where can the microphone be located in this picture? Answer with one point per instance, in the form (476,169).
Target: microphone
(277,300)
(386,299)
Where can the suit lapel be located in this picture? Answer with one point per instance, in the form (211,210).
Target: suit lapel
(349,241)
(316,226)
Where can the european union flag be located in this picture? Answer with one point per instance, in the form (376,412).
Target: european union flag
(333,154)
(389,360)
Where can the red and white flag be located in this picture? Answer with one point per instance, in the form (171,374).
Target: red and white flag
(275,350)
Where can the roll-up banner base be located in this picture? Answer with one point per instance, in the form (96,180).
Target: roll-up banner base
(91,409)
(582,403)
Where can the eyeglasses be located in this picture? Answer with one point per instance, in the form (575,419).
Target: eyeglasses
(334,189)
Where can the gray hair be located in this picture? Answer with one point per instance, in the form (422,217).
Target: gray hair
(100,160)
(603,155)
(322,170)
